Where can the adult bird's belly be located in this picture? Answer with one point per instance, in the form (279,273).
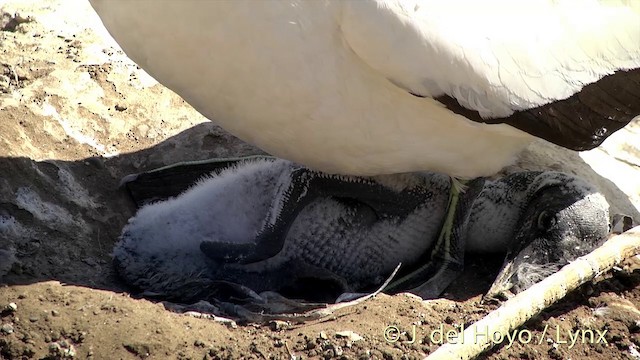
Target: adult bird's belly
(288,83)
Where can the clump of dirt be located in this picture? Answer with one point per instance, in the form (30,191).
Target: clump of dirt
(76,116)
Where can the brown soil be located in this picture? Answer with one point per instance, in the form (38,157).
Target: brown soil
(76,116)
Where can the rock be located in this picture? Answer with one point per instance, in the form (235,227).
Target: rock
(62,349)
(139,349)
(348,334)
(6,329)
(198,343)
(12,307)
(10,22)
(277,325)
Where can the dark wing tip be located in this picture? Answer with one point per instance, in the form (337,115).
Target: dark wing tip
(580,122)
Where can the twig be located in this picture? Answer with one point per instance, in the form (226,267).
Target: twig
(530,302)
(291,355)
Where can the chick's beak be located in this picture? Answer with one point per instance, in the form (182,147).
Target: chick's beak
(533,258)
(530,258)
(560,224)
(503,282)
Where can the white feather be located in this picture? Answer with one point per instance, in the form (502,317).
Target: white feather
(324,83)
(495,56)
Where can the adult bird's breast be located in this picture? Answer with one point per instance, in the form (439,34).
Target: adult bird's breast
(329,84)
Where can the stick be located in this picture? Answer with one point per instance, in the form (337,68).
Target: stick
(517,310)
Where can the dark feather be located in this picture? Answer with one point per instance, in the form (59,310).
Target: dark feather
(580,122)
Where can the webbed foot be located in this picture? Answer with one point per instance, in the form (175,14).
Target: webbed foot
(447,258)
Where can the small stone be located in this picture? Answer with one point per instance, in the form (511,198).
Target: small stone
(198,343)
(337,350)
(54,349)
(310,345)
(277,325)
(22,74)
(143,130)
(328,354)
(12,307)
(62,350)
(55,313)
(6,329)
(119,107)
(33,319)
(29,352)
(142,350)
(323,335)
(349,335)
(231,324)
(555,354)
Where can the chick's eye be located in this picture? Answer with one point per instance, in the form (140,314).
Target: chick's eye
(546,220)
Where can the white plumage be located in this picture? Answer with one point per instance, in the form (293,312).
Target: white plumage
(329,83)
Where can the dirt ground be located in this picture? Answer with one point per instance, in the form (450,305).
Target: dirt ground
(76,116)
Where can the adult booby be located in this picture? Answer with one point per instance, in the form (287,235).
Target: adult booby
(390,86)
(544,219)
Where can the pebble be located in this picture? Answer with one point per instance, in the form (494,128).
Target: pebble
(141,350)
(6,329)
(62,349)
(199,343)
(349,335)
(231,324)
(12,307)
(22,74)
(310,345)
(277,325)
(334,349)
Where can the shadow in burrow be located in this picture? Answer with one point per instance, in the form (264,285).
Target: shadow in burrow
(63,218)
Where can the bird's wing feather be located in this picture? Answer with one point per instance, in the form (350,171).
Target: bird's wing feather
(495,56)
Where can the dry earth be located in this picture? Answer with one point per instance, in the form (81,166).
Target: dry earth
(76,115)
